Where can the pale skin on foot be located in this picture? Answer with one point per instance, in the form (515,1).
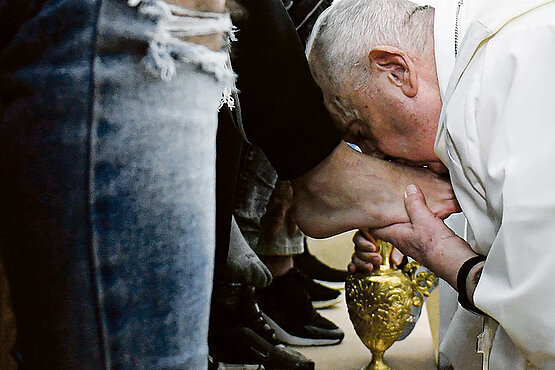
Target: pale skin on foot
(217,6)
(350,190)
(214,41)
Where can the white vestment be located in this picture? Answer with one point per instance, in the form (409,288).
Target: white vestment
(497,136)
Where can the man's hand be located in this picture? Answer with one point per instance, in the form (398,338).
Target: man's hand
(427,239)
(278,211)
(350,190)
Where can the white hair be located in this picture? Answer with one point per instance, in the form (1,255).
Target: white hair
(345,33)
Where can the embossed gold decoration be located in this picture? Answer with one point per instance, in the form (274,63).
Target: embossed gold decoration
(380,302)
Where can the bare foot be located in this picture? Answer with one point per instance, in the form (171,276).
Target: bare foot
(350,190)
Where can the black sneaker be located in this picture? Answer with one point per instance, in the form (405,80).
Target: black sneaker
(287,307)
(214,365)
(240,336)
(318,270)
(322,296)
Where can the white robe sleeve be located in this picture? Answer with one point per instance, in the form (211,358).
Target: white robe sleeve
(515,119)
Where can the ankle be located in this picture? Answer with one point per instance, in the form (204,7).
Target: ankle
(278,265)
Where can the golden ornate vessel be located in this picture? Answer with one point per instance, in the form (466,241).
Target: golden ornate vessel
(380,302)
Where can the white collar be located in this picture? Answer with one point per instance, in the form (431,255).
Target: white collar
(444,40)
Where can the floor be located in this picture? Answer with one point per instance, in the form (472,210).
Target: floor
(416,352)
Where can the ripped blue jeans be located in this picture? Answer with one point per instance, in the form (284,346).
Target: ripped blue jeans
(107,143)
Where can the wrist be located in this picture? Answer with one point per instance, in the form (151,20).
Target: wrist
(467,279)
(447,257)
(472,280)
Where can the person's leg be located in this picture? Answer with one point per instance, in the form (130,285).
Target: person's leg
(108,227)
(278,265)
(286,302)
(255,185)
(238,333)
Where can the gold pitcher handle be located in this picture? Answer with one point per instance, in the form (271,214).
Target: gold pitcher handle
(422,282)
(384,249)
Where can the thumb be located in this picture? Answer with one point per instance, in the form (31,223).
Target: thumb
(415,204)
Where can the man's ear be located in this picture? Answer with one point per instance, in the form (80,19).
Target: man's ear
(398,66)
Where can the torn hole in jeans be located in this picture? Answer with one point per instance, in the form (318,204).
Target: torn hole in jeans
(168,45)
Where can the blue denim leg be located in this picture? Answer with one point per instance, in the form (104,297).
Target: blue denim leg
(108,198)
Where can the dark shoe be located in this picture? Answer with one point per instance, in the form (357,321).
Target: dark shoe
(287,307)
(214,365)
(240,336)
(318,270)
(322,296)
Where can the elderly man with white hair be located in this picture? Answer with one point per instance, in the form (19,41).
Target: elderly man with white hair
(465,88)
